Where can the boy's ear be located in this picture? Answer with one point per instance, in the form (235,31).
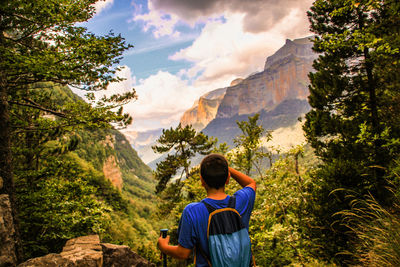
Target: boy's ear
(202,181)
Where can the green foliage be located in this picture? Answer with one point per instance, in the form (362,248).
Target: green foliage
(248,151)
(185,144)
(354,88)
(279,219)
(57,207)
(51,158)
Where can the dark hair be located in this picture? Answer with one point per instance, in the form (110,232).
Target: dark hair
(214,170)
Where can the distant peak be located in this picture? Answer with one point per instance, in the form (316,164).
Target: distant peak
(236,81)
(297,47)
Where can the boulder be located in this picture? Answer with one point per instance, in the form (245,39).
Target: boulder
(7,233)
(114,255)
(50,260)
(87,251)
(84,251)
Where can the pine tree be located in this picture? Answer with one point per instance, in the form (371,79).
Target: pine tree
(354,94)
(184,143)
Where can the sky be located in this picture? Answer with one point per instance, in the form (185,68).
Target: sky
(185,48)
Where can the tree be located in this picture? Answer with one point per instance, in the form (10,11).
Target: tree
(353,90)
(40,42)
(248,145)
(185,144)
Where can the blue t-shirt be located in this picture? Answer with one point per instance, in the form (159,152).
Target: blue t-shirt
(192,229)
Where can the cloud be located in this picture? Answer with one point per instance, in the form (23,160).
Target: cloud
(259,15)
(121,87)
(102,5)
(163,98)
(159,22)
(225,51)
(236,37)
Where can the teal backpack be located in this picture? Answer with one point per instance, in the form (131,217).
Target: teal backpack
(228,239)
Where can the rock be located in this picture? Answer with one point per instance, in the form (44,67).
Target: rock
(204,110)
(285,77)
(7,233)
(86,251)
(114,256)
(50,260)
(112,172)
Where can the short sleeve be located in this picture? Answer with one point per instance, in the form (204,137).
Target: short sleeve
(186,236)
(245,198)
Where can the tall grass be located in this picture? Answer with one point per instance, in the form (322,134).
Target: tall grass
(377,231)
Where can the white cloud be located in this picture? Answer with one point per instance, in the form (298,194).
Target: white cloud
(102,5)
(121,87)
(160,23)
(224,51)
(162,98)
(228,47)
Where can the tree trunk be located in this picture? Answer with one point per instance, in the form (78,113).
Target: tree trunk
(6,165)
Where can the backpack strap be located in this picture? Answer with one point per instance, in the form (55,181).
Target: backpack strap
(232,202)
(210,208)
(198,247)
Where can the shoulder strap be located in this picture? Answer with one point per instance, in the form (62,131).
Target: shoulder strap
(198,247)
(231,204)
(210,208)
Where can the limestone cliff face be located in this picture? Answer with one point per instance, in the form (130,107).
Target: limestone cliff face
(112,172)
(204,110)
(285,77)
(111,168)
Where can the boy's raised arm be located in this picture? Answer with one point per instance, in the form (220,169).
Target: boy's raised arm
(242,178)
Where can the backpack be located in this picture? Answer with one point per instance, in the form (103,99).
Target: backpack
(228,238)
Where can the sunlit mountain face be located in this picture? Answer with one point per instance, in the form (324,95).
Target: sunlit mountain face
(182,50)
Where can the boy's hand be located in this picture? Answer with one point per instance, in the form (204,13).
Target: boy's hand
(163,242)
(242,178)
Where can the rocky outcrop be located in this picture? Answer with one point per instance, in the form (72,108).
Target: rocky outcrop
(285,77)
(302,48)
(114,256)
(112,172)
(204,110)
(87,251)
(7,233)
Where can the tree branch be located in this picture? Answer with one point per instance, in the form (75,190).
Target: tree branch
(32,104)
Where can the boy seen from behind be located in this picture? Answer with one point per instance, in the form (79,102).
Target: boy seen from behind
(213,228)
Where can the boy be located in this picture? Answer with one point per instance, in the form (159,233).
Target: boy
(214,175)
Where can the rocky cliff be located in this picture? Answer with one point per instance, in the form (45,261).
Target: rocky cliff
(284,80)
(204,110)
(285,76)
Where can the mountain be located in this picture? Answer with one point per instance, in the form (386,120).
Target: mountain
(204,110)
(142,141)
(279,93)
(285,114)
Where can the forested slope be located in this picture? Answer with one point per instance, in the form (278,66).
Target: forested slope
(73,182)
